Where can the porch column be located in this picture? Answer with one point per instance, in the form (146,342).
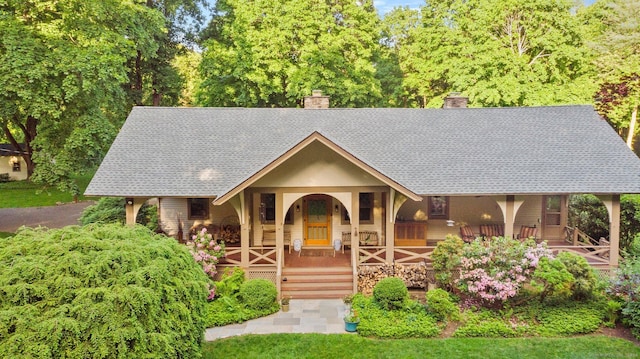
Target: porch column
(389,218)
(614,231)
(132,206)
(355,221)
(245,226)
(279,219)
(509,215)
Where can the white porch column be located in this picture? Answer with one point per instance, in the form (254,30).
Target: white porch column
(390,218)
(245,228)
(132,207)
(614,231)
(355,221)
(509,216)
(279,219)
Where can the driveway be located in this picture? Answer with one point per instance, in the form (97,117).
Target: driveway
(52,217)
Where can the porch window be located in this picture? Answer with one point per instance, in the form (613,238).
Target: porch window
(553,210)
(438,207)
(268,210)
(198,208)
(366,209)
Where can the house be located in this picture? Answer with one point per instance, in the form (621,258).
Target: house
(388,182)
(12,165)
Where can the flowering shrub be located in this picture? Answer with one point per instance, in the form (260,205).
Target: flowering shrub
(206,251)
(494,270)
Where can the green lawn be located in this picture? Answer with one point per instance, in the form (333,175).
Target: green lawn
(353,346)
(27,194)
(6,234)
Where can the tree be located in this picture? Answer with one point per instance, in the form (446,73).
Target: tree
(154,78)
(62,67)
(617,42)
(508,53)
(272,53)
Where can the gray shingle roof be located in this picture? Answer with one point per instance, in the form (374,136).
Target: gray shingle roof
(195,152)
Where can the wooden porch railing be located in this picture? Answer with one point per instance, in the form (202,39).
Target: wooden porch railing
(595,255)
(258,256)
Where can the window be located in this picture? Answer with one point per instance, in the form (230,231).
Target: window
(16,166)
(268,210)
(366,209)
(552,210)
(438,207)
(198,208)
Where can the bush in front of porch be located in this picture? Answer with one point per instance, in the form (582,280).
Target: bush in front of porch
(229,306)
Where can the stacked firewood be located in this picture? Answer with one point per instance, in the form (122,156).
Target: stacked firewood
(413,275)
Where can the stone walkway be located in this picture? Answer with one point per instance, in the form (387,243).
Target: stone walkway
(304,316)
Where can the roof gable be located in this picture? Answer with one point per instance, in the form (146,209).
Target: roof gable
(317,142)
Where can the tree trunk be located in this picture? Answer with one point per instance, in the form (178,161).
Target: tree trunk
(632,126)
(30,131)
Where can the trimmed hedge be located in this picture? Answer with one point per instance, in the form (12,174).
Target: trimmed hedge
(258,294)
(99,292)
(391,293)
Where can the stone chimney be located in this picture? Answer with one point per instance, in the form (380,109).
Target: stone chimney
(316,100)
(455,100)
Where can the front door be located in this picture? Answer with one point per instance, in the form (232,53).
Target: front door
(317,220)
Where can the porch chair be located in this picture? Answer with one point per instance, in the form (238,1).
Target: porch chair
(467,234)
(528,232)
(346,240)
(491,230)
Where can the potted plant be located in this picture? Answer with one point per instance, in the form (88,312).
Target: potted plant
(347,299)
(285,303)
(351,321)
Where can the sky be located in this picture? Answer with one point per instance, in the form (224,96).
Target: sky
(384,6)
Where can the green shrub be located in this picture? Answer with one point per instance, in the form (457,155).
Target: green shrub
(612,313)
(258,294)
(411,322)
(439,304)
(631,313)
(585,282)
(552,278)
(446,260)
(112,210)
(102,291)
(230,283)
(391,293)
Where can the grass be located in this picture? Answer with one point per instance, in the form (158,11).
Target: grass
(6,234)
(353,346)
(20,194)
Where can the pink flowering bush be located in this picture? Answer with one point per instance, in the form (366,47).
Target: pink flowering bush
(206,251)
(493,271)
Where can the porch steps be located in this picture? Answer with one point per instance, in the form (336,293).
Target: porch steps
(317,282)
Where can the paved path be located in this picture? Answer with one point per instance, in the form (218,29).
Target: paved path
(304,316)
(52,217)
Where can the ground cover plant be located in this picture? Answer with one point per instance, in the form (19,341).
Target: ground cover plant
(391,314)
(20,194)
(102,291)
(285,346)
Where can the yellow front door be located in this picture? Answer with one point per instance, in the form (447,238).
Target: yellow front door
(317,220)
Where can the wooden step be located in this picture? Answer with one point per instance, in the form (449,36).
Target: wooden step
(317,282)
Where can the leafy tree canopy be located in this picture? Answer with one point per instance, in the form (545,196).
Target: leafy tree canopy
(273,53)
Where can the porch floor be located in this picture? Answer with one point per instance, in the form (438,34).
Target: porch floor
(317,257)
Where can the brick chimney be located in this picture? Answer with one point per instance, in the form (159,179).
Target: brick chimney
(455,100)
(316,100)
